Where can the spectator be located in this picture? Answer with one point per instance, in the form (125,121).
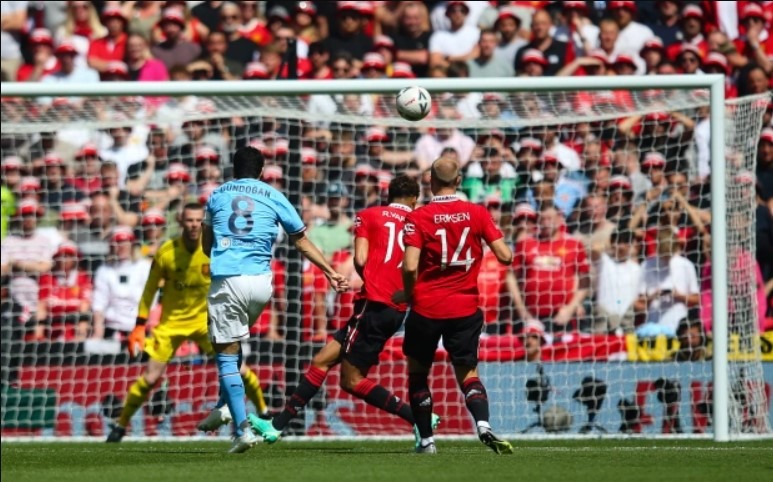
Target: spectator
(653,54)
(692,342)
(632,33)
(87,178)
(487,64)
(349,36)
(754,81)
(68,71)
(593,227)
(507,25)
(64,302)
(533,339)
(617,285)
(342,66)
(689,59)
(690,33)
(319,56)
(525,221)
(413,37)
(175,49)
(14,21)
(12,321)
(577,28)
(81,27)
(373,66)
(757,44)
(457,43)
(123,153)
(765,166)
(550,274)
(118,286)
(667,25)
(153,227)
(430,145)
(334,235)
(55,189)
(27,255)
(215,53)
(240,49)
(144,16)
(305,22)
(142,66)
(111,47)
(491,280)
(667,290)
(490,176)
(193,30)
(44,61)
(555,52)
(208,13)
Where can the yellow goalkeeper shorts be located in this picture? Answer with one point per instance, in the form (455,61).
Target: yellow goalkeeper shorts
(165,339)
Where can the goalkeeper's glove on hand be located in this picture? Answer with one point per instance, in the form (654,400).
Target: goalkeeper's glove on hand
(137,338)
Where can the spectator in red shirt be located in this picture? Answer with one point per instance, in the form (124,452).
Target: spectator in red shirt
(551,274)
(314,302)
(111,47)
(653,53)
(270,321)
(87,178)
(691,33)
(43,60)
(757,44)
(64,300)
(491,279)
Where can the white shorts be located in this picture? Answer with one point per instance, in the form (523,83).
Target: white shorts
(234,303)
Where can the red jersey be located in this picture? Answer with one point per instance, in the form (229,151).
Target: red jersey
(450,234)
(263,322)
(383,228)
(491,282)
(549,270)
(64,296)
(107,49)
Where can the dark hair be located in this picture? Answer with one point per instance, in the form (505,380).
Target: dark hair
(248,163)
(403,187)
(458,69)
(341,55)
(318,47)
(193,206)
(621,236)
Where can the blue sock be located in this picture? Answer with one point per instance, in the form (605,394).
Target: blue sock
(232,388)
(221,400)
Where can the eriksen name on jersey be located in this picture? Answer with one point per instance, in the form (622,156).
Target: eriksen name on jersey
(452,218)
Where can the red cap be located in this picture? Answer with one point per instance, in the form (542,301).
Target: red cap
(11,162)
(365,170)
(533,327)
(112,12)
(625,59)
(657,117)
(308,155)
(599,54)
(530,143)
(29,184)
(53,159)
(122,234)
(376,134)
(454,3)
(206,153)
(692,10)
(116,67)
(524,210)
(153,216)
(618,4)
(348,5)
(29,206)
(620,181)
(67,248)
(256,70)
(575,5)
(205,190)
(281,146)
(402,70)
(549,158)
(41,36)
(508,12)
(272,173)
(383,41)
(767,134)
(306,7)
(66,47)
(366,8)
(685,47)
(178,172)
(653,159)
(492,200)
(73,211)
(374,60)
(752,10)
(493,96)
(717,59)
(534,55)
(173,14)
(745,177)
(87,150)
(259,145)
(655,43)
(384,178)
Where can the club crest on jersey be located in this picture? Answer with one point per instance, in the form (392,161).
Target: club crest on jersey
(205,270)
(409,228)
(357,222)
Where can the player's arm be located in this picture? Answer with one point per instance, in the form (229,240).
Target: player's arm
(502,251)
(207,238)
(410,271)
(361,247)
(309,251)
(495,239)
(151,288)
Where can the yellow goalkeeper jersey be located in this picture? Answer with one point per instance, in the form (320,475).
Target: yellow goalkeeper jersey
(186,280)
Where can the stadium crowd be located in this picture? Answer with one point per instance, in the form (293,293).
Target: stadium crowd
(610,221)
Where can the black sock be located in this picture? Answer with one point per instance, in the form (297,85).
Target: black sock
(476,399)
(307,388)
(382,398)
(421,403)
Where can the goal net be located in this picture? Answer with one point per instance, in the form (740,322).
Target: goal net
(602,325)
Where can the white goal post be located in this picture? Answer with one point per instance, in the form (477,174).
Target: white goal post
(725,422)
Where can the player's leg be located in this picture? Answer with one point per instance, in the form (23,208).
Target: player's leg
(160,348)
(310,383)
(252,389)
(364,342)
(460,338)
(421,339)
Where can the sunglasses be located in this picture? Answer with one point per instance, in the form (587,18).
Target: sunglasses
(229,17)
(689,60)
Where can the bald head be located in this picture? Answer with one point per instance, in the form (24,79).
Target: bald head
(445,172)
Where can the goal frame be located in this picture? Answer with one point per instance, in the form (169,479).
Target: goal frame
(714,83)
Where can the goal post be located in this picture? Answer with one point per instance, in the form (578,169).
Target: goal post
(243,112)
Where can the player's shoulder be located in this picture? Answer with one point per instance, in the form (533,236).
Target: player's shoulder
(168,247)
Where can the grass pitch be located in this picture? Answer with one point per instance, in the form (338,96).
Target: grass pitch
(559,460)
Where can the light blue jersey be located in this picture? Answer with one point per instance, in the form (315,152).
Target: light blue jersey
(244,215)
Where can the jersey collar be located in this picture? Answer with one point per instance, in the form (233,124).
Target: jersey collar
(445,199)
(402,207)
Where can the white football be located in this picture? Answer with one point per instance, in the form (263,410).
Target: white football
(413,103)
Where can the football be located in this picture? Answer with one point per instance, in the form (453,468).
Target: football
(413,103)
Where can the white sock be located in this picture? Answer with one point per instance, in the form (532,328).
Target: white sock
(427,441)
(483,427)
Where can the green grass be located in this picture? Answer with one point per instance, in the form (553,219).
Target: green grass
(559,460)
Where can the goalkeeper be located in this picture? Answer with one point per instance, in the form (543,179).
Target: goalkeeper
(183,267)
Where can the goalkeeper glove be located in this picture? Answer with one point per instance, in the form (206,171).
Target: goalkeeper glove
(137,338)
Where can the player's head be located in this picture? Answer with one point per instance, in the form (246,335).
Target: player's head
(444,175)
(191,218)
(248,163)
(405,190)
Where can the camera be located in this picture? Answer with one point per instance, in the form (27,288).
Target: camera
(591,394)
(537,392)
